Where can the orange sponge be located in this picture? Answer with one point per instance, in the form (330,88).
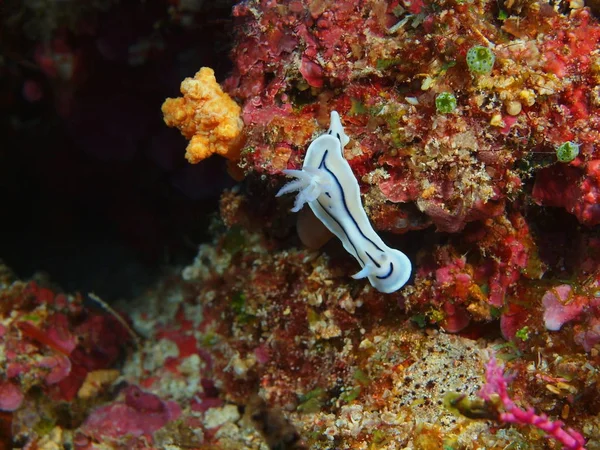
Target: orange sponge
(206,116)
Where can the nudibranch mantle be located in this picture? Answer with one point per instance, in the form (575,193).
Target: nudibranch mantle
(327,184)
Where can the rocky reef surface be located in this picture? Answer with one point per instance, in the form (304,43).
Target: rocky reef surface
(474,132)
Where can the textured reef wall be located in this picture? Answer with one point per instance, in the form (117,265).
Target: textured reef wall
(464,117)
(384,66)
(474,131)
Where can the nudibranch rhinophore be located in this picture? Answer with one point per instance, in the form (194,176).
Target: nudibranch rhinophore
(327,184)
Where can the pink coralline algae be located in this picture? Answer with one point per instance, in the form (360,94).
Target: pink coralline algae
(51,341)
(448,284)
(587,329)
(312,72)
(589,209)
(573,310)
(381,65)
(561,306)
(576,189)
(588,335)
(566,312)
(138,414)
(451,288)
(510,246)
(11,396)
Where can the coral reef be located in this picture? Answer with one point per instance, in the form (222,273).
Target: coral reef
(51,341)
(254,318)
(259,319)
(464,118)
(459,117)
(54,351)
(384,76)
(138,415)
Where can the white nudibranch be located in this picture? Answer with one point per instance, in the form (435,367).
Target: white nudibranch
(327,184)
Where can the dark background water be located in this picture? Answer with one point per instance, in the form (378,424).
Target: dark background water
(95,189)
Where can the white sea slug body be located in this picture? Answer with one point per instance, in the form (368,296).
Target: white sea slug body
(327,184)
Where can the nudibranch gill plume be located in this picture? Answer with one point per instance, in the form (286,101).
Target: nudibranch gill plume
(327,184)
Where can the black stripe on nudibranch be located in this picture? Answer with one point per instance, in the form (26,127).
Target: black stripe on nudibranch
(322,164)
(337,181)
(328,194)
(338,136)
(374,262)
(387,275)
(329,132)
(343,230)
(333,217)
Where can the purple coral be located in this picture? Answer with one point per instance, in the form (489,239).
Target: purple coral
(496,384)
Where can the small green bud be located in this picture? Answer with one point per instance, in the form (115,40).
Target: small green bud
(567,151)
(480,59)
(523,333)
(445,103)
